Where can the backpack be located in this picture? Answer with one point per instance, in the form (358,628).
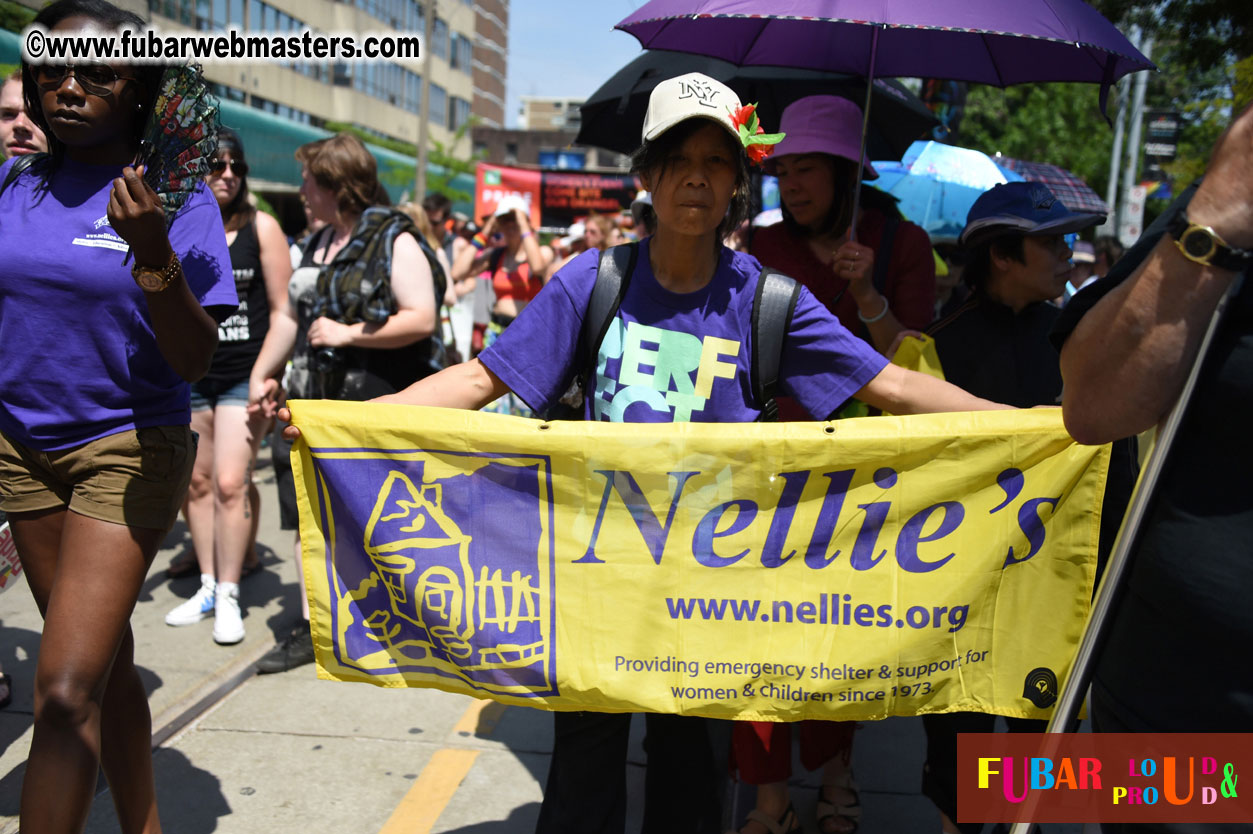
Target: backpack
(774,302)
(23,163)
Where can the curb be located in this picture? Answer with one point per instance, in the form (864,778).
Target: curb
(213,689)
(190,707)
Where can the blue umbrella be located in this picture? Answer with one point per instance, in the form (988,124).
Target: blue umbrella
(937,184)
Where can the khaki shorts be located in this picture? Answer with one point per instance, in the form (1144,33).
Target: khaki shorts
(137,478)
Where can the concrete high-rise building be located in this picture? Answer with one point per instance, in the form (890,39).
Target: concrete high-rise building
(541,113)
(491,60)
(381,97)
(465,59)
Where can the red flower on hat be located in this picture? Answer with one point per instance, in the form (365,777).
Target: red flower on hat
(757,143)
(744,115)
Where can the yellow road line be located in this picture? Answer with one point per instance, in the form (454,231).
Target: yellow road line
(431,792)
(435,786)
(480,719)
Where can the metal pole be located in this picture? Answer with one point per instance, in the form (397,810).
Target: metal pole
(865,130)
(1111,192)
(424,108)
(1131,174)
(1076,686)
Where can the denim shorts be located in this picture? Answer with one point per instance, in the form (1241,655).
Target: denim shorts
(136,477)
(210,393)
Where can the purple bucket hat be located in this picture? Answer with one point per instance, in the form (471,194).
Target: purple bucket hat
(821,124)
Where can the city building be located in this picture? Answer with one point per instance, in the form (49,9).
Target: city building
(552,149)
(540,113)
(491,60)
(381,97)
(277,106)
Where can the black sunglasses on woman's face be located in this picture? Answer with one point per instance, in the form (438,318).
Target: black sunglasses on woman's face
(97,79)
(238,167)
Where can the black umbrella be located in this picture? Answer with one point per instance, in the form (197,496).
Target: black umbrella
(613,116)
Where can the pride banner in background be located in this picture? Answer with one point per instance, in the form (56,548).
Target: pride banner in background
(847,570)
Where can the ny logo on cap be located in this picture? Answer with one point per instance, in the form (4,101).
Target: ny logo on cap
(702,91)
(1042,198)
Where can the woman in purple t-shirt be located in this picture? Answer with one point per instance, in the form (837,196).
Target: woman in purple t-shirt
(686,288)
(95,450)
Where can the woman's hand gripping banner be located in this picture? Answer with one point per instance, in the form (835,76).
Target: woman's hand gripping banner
(848,570)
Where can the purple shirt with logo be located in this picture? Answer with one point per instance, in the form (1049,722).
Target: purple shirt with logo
(79,358)
(676,357)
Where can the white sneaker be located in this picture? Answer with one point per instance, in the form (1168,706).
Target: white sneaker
(228,624)
(198,607)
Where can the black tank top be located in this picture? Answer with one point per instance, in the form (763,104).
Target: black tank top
(241,335)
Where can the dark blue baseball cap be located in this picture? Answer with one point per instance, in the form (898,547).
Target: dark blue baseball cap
(1026,208)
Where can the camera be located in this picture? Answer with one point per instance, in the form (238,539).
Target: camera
(326,360)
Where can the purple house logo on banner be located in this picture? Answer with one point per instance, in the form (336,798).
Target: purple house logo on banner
(418,585)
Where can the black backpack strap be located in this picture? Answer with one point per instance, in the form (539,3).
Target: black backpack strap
(773,306)
(22,164)
(613,274)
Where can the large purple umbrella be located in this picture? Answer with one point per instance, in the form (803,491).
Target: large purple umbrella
(999,42)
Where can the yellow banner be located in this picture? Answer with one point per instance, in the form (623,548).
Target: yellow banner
(847,570)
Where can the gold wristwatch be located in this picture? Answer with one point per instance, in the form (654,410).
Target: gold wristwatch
(156,280)
(1205,246)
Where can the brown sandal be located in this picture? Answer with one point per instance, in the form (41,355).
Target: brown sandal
(845,813)
(789,823)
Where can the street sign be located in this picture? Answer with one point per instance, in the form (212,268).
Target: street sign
(1132,223)
(1163,135)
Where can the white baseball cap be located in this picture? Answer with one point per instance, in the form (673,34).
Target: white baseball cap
(574,233)
(691,96)
(510,202)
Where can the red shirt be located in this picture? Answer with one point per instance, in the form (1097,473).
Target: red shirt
(909,287)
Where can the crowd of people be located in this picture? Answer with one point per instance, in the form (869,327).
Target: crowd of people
(159,402)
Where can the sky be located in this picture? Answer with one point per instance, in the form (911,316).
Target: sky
(564,48)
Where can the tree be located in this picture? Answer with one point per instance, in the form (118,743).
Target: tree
(451,166)
(1208,32)
(1204,53)
(14,16)
(1056,123)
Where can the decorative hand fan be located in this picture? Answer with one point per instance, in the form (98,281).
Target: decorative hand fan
(180,137)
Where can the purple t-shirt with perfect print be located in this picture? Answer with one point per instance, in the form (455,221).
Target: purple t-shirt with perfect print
(676,357)
(80,360)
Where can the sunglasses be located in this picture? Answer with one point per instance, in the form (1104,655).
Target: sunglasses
(97,79)
(238,167)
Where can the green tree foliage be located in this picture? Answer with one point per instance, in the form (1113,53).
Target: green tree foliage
(451,165)
(263,205)
(14,16)
(1204,53)
(1056,123)
(1204,50)
(1208,32)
